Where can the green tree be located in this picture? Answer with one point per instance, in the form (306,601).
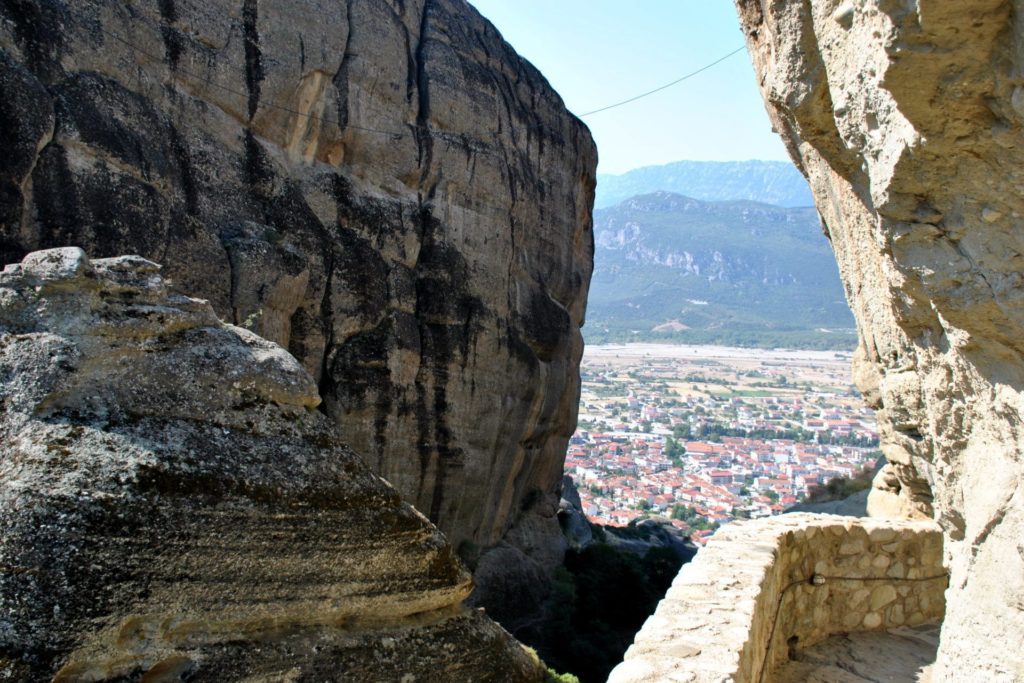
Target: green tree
(682,431)
(601,598)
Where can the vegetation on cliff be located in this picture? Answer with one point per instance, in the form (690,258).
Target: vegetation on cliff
(839,488)
(601,598)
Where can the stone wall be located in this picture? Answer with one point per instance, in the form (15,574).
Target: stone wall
(737,608)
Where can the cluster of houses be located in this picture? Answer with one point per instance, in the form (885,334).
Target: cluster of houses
(622,477)
(626,463)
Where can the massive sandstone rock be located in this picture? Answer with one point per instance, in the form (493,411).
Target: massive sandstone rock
(906,116)
(383,187)
(172,504)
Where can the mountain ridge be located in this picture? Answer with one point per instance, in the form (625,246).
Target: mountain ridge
(772,182)
(674,268)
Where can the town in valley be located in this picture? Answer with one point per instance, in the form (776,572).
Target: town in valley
(704,435)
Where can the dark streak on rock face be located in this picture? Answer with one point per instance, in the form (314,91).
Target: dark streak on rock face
(186,176)
(448,314)
(257,168)
(443,297)
(168,11)
(253,55)
(20,133)
(11,249)
(547,325)
(173,39)
(38,30)
(424,141)
(104,114)
(21,137)
(173,45)
(55,188)
(359,371)
(121,204)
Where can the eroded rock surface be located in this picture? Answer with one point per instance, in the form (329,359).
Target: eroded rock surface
(173,504)
(382,187)
(907,119)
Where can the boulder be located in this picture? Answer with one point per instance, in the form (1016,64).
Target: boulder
(173,505)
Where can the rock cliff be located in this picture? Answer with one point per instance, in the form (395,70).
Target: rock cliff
(172,505)
(907,119)
(382,187)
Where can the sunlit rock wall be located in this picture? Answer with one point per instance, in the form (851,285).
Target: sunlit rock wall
(382,187)
(906,117)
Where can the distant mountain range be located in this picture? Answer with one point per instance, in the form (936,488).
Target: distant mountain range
(673,268)
(771,182)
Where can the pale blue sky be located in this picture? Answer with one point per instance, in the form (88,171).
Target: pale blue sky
(596,52)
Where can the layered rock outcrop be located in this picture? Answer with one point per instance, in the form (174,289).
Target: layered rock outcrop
(173,505)
(382,187)
(907,119)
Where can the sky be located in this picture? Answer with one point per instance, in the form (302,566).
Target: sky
(597,52)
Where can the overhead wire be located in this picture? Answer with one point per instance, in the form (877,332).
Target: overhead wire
(461,138)
(667,85)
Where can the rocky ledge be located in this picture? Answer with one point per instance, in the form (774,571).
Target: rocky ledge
(172,503)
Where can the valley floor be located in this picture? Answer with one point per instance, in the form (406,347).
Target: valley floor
(682,351)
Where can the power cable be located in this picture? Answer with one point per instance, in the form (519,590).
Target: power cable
(667,85)
(460,138)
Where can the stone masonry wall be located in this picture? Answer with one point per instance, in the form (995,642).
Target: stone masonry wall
(752,585)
